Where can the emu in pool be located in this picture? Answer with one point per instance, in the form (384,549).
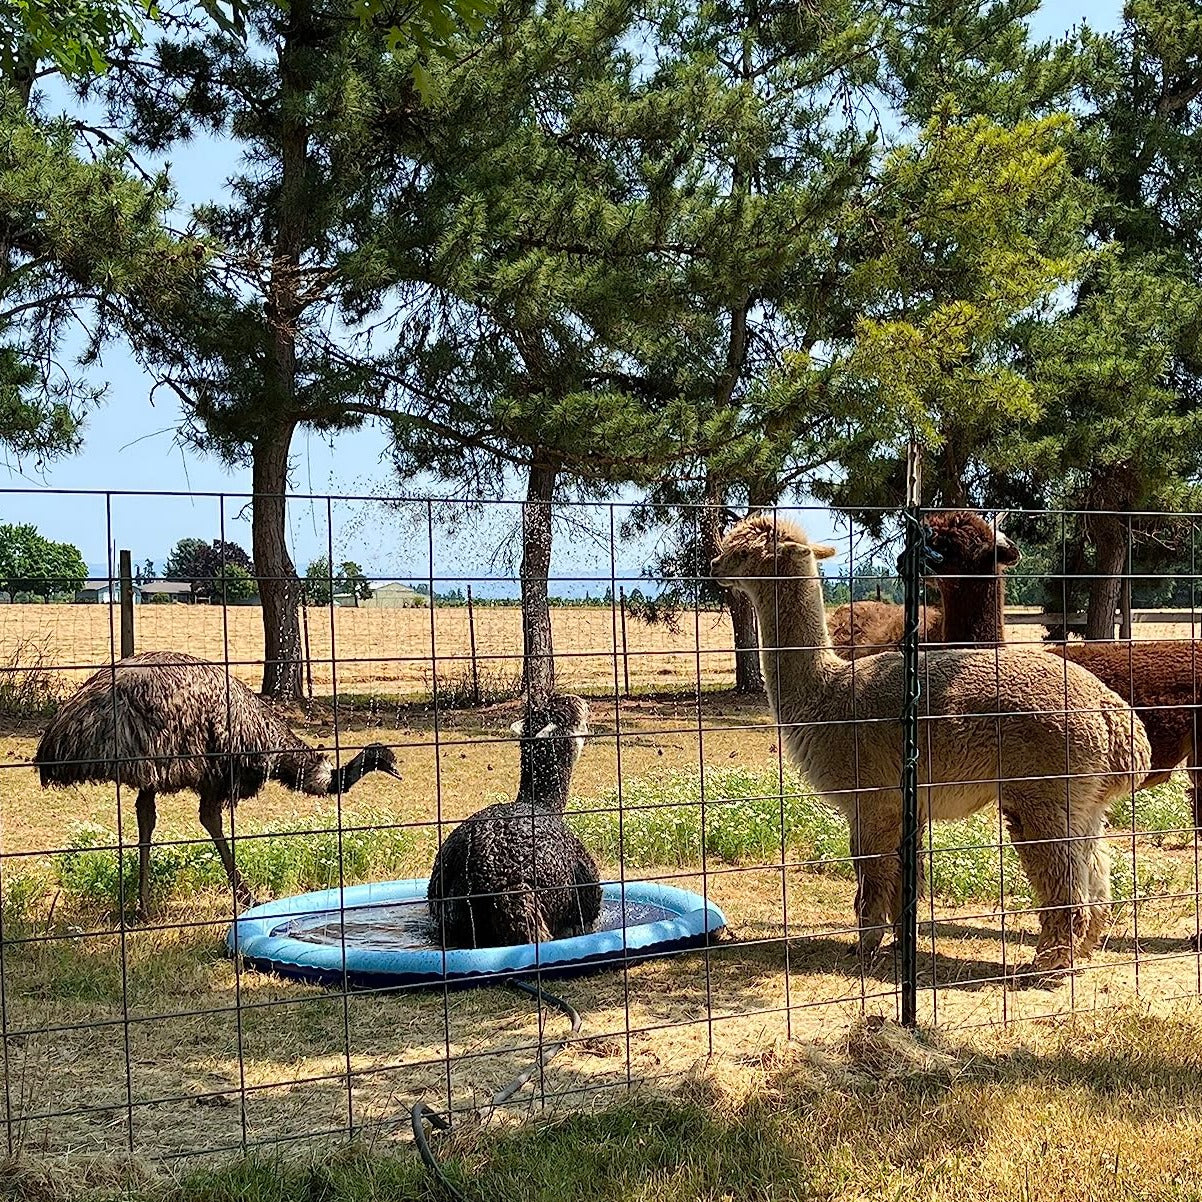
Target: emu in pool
(514,872)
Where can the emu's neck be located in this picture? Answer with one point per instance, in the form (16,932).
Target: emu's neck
(544,778)
(795,645)
(973,609)
(353,771)
(308,771)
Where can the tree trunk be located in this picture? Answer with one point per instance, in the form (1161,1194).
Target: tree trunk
(748,677)
(1108,534)
(538,655)
(279,586)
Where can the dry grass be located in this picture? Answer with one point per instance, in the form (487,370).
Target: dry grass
(79,638)
(205,1071)
(766,1068)
(389,650)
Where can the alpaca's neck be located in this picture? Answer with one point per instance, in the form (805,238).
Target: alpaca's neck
(795,645)
(973,610)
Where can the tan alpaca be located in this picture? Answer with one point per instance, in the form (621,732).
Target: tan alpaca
(1060,743)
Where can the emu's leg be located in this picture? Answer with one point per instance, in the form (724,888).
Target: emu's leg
(210,819)
(146,820)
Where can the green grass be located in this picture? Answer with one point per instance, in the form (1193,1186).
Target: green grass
(662,825)
(290,855)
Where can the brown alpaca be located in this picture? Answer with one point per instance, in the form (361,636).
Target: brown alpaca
(1054,743)
(1161,679)
(868,627)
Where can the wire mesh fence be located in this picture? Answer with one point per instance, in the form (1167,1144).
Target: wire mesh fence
(748,844)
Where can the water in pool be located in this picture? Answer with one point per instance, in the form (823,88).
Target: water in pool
(407,924)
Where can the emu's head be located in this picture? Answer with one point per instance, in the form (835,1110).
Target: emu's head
(762,547)
(962,543)
(377,757)
(552,738)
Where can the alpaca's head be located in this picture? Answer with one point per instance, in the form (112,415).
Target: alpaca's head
(962,543)
(552,738)
(762,547)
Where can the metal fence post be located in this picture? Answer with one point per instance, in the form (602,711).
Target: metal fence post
(471,634)
(625,649)
(126,574)
(912,685)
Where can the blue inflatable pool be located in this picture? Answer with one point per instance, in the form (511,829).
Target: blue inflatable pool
(381,935)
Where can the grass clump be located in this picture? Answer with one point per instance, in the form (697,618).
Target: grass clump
(29,687)
(661,821)
(1162,813)
(661,824)
(291,855)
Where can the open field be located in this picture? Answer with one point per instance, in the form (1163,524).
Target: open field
(390,651)
(387,650)
(216,1056)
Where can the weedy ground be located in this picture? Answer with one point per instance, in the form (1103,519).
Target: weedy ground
(764,1068)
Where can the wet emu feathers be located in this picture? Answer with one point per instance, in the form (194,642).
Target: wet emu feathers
(164,721)
(513,872)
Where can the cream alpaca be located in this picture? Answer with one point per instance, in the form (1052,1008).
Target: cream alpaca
(1061,744)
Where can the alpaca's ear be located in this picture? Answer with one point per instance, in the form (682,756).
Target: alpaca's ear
(821,551)
(547,731)
(519,727)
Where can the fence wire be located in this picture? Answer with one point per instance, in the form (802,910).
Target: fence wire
(133,1030)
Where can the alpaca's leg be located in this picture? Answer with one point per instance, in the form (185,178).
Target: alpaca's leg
(146,820)
(878,879)
(1100,911)
(1056,845)
(210,819)
(1194,767)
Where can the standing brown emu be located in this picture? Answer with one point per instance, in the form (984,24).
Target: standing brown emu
(514,872)
(162,722)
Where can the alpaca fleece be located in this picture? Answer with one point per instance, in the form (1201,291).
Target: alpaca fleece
(513,872)
(958,538)
(1160,679)
(869,627)
(1051,740)
(165,721)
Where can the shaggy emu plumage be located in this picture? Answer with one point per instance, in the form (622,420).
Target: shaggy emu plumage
(1161,679)
(162,722)
(1060,743)
(514,872)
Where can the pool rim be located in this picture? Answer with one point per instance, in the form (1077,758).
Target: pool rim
(694,923)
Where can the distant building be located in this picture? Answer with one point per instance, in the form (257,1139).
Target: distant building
(386,594)
(105,592)
(173,590)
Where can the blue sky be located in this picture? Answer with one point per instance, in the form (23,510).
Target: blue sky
(130,444)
